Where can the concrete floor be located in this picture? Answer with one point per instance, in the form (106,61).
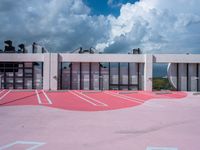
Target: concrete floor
(156,123)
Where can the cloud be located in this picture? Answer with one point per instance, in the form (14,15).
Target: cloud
(156,26)
(60,25)
(64,25)
(114,3)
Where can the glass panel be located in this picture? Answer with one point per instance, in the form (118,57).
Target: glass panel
(19,80)
(134,88)
(114,87)
(1,80)
(38,79)
(9,74)
(141,74)
(65,75)
(192,81)
(85,76)
(9,85)
(28,65)
(28,83)
(124,73)
(133,73)
(18,86)
(114,78)
(123,87)
(182,77)
(10,66)
(198,71)
(104,78)
(75,76)
(9,80)
(28,73)
(21,65)
(14,72)
(19,73)
(95,76)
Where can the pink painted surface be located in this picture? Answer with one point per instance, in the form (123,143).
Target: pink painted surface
(19,98)
(83,100)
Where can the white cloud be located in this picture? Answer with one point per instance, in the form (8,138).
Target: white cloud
(152,25)
(114,3)
(158,26)
(61,25)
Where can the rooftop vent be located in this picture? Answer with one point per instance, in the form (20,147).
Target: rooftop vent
(8,47)
(80,50)
(136,51)
(34,48)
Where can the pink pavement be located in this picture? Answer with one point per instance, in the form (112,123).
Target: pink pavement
(168,123)
(83,100)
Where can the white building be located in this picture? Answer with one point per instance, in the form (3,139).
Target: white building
(86,71)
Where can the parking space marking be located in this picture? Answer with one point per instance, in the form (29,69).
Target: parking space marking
(119,96)
(48,99)
(5,94)
(101,103)
(2,91)
(161,148)
(133,98)
(35,145)
(38,97)
(72,92)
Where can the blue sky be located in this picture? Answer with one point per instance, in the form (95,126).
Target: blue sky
(112,26)
(106,7)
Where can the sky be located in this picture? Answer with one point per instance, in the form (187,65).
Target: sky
(110,26)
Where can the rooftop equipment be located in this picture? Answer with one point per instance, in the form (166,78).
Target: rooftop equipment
(8,47)
(136,51)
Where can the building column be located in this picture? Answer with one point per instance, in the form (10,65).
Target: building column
(54,71)
(50,74)
(148,72)
(46,71)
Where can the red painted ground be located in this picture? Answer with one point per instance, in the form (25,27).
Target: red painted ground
(83,100)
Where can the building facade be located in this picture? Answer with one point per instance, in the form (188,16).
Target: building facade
(74,71)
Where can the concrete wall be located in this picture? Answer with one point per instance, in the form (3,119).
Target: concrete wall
(148,72)
(46,71)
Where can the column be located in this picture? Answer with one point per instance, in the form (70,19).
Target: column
(54,71)
(148,72)
(46,71)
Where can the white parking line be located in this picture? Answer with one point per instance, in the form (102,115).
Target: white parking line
(139,100)
(34,144)
(5,94)
(101,103)
(129,99)
(82,98)
(161,148)
(2,91)
(38,97)
(48,99)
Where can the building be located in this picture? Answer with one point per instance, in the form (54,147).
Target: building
(34,68)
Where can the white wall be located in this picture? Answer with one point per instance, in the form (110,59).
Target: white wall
(53,71)
(46,72)
(148,72)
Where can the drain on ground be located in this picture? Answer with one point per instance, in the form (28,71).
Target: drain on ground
(128,92)
(163,92)
(90,92)
(196,93)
